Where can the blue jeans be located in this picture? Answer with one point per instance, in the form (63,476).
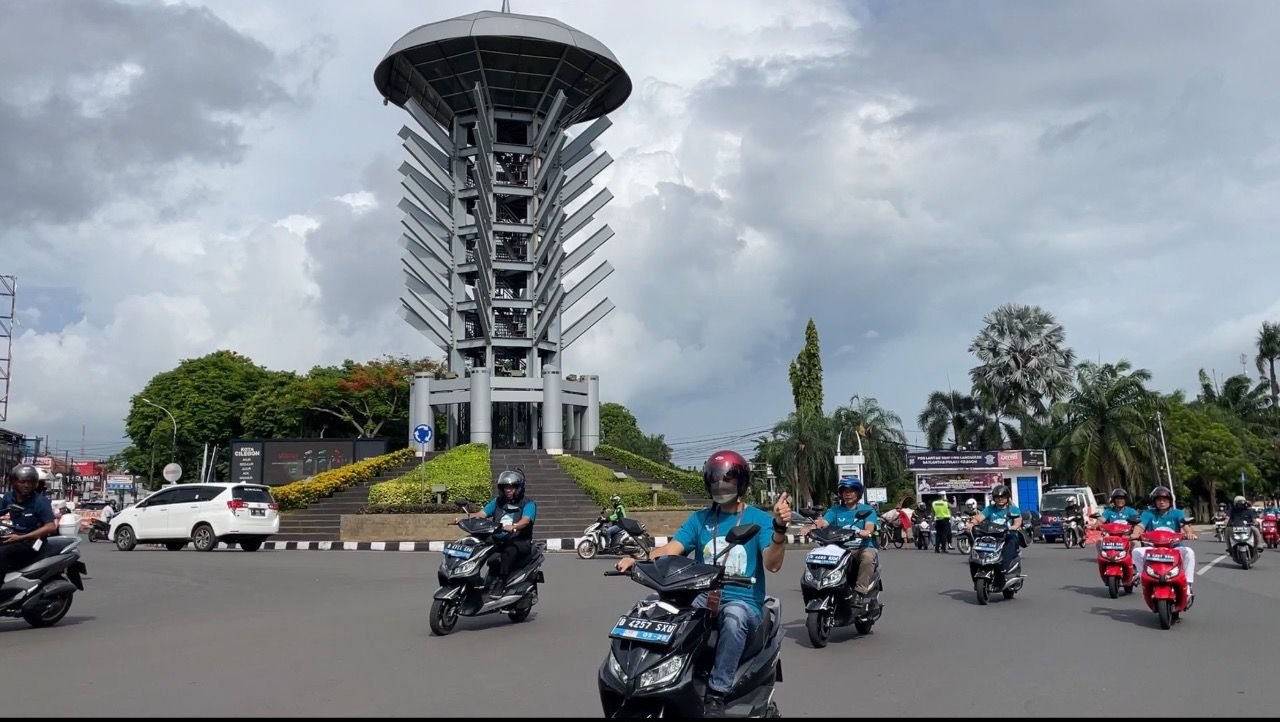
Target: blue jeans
(738,621)
(1012,545)
(611,533)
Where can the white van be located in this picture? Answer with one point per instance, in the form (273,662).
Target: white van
(199,514)
(1054,502)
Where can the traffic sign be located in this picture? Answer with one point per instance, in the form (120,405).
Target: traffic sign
(172,472)
(422,433)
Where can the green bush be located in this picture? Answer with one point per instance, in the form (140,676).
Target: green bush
(600,484)
(431,508)
(464,470)
(301,493)
(686,481)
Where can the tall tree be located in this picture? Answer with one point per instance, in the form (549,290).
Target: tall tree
(946,412)
(618,427)
(369,399)
(1106,422)
(1024,364)
(1268,353)
(806,373)
(884,442)
(805,449)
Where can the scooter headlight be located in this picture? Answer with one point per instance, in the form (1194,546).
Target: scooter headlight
(664,673)
(464,569)
(1173,572)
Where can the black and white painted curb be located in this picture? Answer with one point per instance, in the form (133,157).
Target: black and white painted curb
(563,544)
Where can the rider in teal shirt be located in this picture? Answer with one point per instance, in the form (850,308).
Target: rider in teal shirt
(845,515)
(1120,509)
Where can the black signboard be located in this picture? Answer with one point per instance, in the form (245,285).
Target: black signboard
(953,460)
(246,462)
(1033,457)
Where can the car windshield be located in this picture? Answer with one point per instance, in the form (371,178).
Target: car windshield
(1055,502)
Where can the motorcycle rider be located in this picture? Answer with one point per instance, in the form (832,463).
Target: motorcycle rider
(1162,515)
(1119,510)
(516,515)
(1243,515)
(726,475)
(844,516)
(34,522)
(1073,512)
(618,513)
(970,507)
(941,525)
(1002,508)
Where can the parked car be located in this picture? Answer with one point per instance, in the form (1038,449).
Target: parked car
(199,514)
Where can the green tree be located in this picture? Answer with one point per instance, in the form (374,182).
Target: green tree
(1207,458)
(1268,353)
(884,442)
(803,453)
(1106,423)
(806,373)
(370,399)
(205,396)
(1024,364)
(947,412)
(271,412)
(618,427)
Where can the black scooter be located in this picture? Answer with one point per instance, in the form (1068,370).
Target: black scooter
(985,562)
(41,592)
(827,585)
(462,588)
(662,651)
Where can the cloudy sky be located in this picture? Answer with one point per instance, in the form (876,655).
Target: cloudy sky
(181,177)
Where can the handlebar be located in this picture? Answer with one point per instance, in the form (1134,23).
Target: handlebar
(735,581)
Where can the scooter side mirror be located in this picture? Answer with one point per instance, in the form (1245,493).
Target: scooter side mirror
(12,509)
(742,533)
(630,526)
(467,506)
(862,514)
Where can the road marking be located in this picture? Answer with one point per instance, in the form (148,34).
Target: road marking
(1209,566)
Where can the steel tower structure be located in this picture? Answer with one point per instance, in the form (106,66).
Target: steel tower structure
(495,193)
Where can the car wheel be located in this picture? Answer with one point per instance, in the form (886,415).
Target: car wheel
(203,539)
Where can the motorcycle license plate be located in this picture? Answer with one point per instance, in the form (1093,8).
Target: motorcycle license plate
(1162,557)
(645,630)
(985,545)
(1112,546)
(453,549)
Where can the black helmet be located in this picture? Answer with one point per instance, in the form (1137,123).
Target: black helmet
(726,473)
(1161,492)
(513,477)
(999,491)
(25,472)
(1119,493)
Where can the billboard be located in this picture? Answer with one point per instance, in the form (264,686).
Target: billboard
(958,483)
(1007,459)
(276,462)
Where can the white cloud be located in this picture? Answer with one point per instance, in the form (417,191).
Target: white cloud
(867,167)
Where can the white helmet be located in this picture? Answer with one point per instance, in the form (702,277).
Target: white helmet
(971,503)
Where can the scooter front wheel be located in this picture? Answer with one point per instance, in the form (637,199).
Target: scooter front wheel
(819,626)
(983,589)
(444,615)
(1164,611)
(586,549)
(1113,587)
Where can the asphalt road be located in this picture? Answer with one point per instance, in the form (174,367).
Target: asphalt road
(293,633)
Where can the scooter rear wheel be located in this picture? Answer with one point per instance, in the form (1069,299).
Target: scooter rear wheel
(50,614)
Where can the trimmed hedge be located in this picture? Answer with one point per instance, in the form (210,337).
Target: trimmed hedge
(686,481)
(410,509)
(301,493)
(464,470)
(600,484)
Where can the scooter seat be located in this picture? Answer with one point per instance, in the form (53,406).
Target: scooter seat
(764,631)
(55,545)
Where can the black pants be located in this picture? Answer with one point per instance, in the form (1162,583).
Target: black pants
(15,556)
(511,555)
(942,534)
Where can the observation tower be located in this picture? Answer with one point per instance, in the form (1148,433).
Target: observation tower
(498,205)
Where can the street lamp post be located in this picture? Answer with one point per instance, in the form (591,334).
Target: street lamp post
(173,447)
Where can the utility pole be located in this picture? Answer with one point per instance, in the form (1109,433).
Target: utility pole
(1167,469)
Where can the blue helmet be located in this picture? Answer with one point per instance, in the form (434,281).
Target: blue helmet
(851,482)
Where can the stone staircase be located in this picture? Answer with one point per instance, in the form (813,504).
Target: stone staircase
(322,521)
(564,509)
(690,499)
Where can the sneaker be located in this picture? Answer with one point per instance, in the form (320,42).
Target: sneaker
(713,705)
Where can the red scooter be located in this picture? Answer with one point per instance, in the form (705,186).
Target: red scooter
(1270,534)
(1115,561)
(1164,579)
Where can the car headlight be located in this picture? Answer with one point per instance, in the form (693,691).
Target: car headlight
(664,673)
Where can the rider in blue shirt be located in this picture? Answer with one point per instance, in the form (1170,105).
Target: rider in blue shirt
(726,476)
(1162,515)
(32,522)
(1119,509)
(1001,510)
(853,513)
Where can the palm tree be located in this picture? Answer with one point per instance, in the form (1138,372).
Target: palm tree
(1239,397)
(1106,418)
(884,441)
(944,412)
(803,452)
(1268,353)
(1023,361)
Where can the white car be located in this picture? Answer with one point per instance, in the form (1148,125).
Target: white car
(202,514)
